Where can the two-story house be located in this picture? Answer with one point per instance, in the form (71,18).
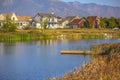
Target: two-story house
(12,16)
(51,19)
(66,23)
(94,21)
(21,21)
(79,23)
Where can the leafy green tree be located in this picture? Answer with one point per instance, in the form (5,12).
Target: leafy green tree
(111,22)
(87,24)
(103,23)
(118,22)
(70,24)
(9,25)
(44,24)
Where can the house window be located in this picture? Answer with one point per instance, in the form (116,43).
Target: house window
(52,19)
(24,22)
(21,24)
(48,25)
(49,19)
(52,25)
(40,19)
(13,18)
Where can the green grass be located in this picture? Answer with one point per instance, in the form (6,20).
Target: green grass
(92,36)
(28,35)
(16,36)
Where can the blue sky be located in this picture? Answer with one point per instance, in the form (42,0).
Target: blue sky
(102,2)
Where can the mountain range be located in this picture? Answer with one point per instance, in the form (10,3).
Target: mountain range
(60,8)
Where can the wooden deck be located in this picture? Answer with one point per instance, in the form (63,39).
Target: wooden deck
(77,52)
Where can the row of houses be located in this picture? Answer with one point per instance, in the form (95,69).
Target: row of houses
(53,21)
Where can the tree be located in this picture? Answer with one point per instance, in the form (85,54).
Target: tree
(112,22)
(9,25)
(44,24)
(70,25)
(103,23)
(118,22)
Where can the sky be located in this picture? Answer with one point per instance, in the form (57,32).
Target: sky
(115,3)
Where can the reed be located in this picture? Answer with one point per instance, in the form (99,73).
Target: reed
(107,48)
(105,67)
(92,36)
(16,36)
(28,35)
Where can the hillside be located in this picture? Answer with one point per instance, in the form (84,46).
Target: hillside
(31,7)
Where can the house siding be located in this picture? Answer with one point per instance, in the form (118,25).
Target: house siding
(52,20)
(22,24)
(94,20)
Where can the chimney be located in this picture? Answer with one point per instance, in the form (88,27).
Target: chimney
(52,13)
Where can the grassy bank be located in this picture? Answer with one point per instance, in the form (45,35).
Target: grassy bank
(28,35)
(106,67)
(24,36)
(106,49)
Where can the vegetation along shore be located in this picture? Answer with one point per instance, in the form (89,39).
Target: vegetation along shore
(29,35)
(105,67)
(14,27)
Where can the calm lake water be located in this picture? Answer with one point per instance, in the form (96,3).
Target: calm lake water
(38,60)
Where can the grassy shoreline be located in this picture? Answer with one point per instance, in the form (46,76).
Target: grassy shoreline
(29,35)
(106,67)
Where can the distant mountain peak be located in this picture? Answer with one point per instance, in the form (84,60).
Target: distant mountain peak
(7,2)
(54,0)
(60,8)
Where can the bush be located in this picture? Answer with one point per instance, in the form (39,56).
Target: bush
(8,25)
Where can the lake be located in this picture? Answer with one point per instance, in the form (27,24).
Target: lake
(38,60)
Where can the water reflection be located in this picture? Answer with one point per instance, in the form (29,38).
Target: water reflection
(39,59)
(7,48)
(51,45)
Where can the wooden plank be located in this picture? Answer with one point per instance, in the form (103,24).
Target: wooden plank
(77,52)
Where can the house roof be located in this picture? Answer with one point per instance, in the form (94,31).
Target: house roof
(76,21)
(59,17)
(46,15)
(70,18)
(92,17)
(20,18)
(5,14)
(24,18)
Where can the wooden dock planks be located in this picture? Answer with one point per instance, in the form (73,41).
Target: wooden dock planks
(77,52)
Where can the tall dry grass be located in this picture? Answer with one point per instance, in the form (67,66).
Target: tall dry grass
(105,67)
